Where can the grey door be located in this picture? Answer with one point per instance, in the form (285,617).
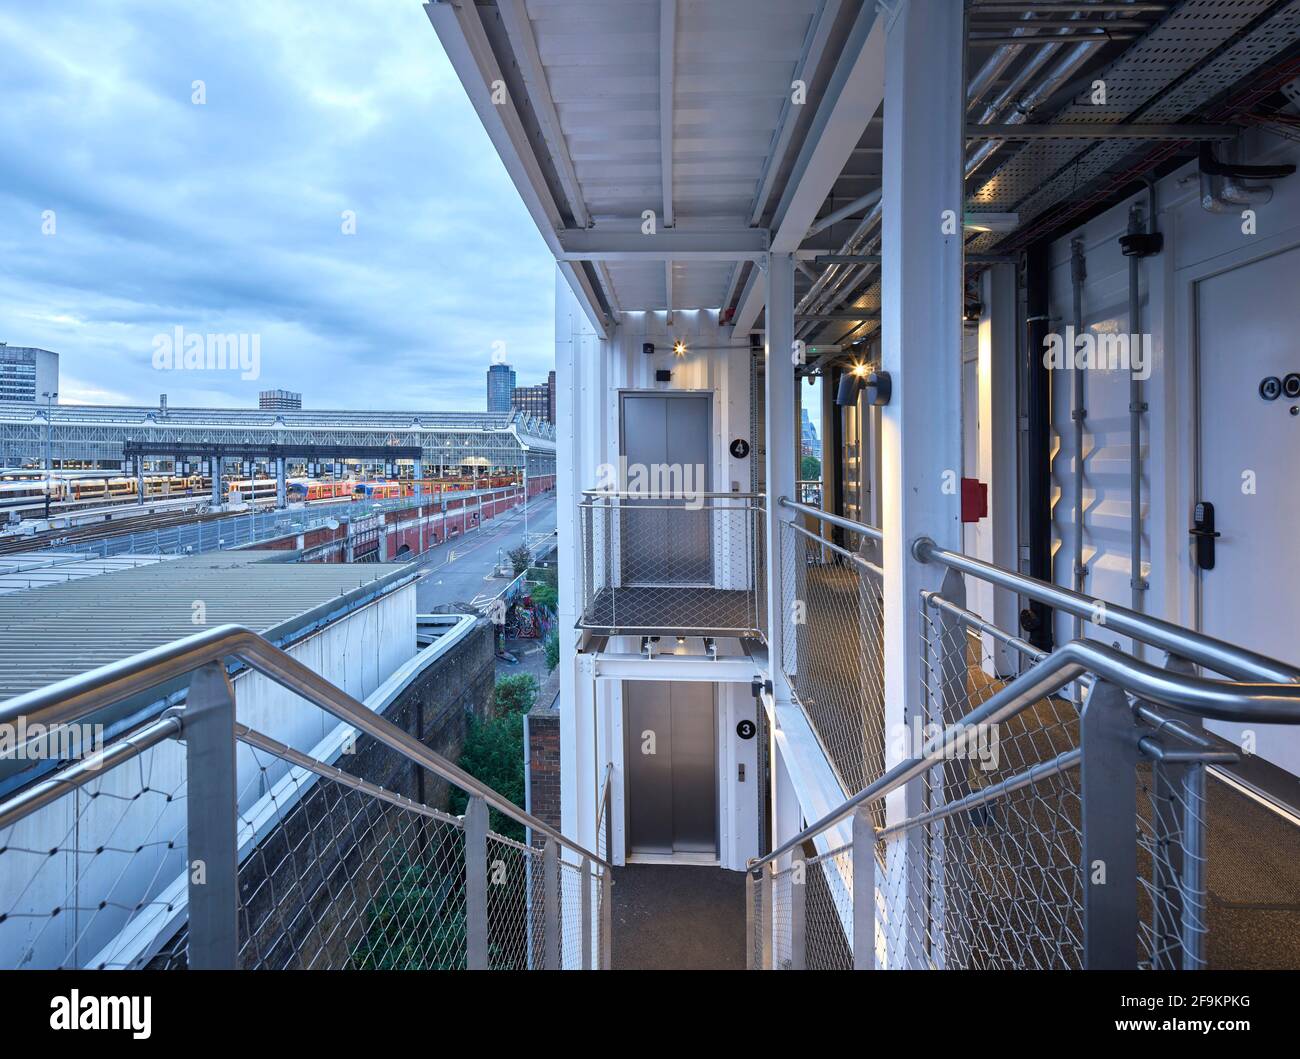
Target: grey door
(665,445)
(670,758)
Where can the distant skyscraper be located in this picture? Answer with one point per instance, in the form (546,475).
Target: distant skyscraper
(536,400)
(809,443)
(26,373)
(279,401)
(500,387)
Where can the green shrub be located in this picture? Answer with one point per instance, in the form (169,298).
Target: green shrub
(552,651)
(545,596)
(494,755)
(515,694)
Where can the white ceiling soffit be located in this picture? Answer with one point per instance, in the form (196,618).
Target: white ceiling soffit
(596,84)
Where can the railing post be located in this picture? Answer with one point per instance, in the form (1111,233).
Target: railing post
(208,727)
(586,914)
(798,915)
(476,917)
(1108,791)
(864,891)
(767,910)
(750,923)
(606,918)
(551,904)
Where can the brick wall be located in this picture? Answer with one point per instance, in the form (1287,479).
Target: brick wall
(544,764)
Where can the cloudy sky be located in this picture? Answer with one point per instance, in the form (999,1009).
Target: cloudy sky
(227,217)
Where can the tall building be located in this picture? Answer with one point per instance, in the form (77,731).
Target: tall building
(26,373)
(500,387)
(536,400)
(810,444)
(279,401)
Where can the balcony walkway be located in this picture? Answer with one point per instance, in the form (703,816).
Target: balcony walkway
(674,917)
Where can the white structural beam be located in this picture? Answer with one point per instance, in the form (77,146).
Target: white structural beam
(667,79)
(519,30)
(995,536)
(814,48)
(853,95)
(779,415)
(752,300)
(466,44)
(668,290)
(921,305)
(597,244)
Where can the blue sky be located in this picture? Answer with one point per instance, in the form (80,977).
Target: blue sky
(227,217)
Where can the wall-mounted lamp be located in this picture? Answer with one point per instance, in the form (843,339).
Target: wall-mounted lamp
(679,348)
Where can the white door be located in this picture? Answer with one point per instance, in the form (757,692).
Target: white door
(1248,330)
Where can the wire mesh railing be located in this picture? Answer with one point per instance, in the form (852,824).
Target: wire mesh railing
(688,563)
(1048,811)
(177,846)
(833,650)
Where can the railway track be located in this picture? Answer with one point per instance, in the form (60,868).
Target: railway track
(112,528)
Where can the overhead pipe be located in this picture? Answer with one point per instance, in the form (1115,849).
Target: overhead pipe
(1221,187)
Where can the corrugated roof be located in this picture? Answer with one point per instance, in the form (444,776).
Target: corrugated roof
(66,629)
(20,571)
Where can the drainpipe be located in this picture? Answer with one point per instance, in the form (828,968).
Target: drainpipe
(1136,408)
(1078,274)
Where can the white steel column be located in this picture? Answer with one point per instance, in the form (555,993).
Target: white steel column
(780,415)
(996,535)
(921,301)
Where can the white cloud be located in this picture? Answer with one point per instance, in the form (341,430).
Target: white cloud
(226,217)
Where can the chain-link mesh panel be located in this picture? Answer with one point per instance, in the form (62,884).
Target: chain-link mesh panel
(80,873)
(833,657)
(782,920)
(1005,873)
(1171,823)
(664,565)
(828,911)
(339,878)
(511,945)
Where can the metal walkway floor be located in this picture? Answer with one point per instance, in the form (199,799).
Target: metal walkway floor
(676,917)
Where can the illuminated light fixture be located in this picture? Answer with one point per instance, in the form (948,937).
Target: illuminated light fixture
(679,348)
(681,640)
(991,222)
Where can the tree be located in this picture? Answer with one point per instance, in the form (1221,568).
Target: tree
(810,469)
(552,651)
(520,558)
(515,694)
(494,755)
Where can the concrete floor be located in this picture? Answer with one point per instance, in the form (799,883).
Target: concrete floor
(671,917)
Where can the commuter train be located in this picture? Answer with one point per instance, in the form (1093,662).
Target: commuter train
(314,490)
(25,493)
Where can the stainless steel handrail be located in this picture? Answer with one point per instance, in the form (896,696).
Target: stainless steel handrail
(1222,657)
(74,697)
(1262,703)
(615,494)
(834,520)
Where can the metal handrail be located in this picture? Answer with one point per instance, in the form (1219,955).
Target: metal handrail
(1218,655)
(834,520)
(618,494)
(1264,703)
(74,697)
